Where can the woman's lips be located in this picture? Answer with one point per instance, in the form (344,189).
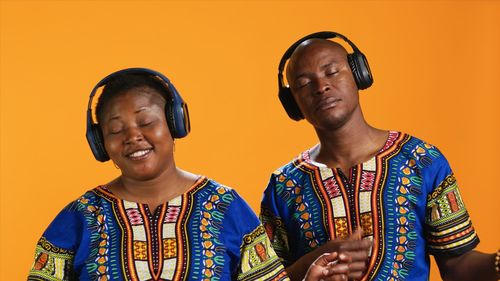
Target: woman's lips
(140,154)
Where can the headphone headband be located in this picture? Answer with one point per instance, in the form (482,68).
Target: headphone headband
(357,62)
(133,70)
(176,111)
(316,35)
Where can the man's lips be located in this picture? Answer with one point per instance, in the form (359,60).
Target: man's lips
(327,103)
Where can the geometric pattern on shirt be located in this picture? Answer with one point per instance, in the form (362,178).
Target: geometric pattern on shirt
(276,231)
(51,262)
(448,219)
(293,194)
(259,261)
(152,243)
(389,206)
(211,213)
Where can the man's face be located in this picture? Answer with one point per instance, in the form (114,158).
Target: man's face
(322,84)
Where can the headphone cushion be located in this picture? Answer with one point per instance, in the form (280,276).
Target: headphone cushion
(98,149)
(177,119)
(289,103)
(360,70)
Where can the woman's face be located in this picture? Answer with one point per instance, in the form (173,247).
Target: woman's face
(136,134)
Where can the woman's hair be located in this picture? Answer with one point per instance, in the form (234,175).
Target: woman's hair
(125,82)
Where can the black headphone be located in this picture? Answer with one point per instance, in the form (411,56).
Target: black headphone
(357,61)
(176,111)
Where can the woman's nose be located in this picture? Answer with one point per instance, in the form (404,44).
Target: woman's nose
(134,134)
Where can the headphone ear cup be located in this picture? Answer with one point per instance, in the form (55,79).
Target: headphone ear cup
(178,122)
(96,141)
(360,70)
(289,103)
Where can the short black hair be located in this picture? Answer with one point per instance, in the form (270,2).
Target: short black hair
(122,83)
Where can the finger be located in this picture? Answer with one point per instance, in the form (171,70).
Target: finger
(326,259)
(357,270)
(338,277)
(357,266)
(345,257)
(355,245)
(356,275)
(340,268)
(356,255)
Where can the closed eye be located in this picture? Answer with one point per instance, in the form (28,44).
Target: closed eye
(301,83)
(145,124)
(331,73)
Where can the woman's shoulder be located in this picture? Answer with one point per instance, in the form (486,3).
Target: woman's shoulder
(90,201)
(212,190)
(211,186)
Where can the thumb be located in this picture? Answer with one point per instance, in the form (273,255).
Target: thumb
(326,259)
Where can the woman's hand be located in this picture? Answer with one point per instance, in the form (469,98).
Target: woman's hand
(329,266)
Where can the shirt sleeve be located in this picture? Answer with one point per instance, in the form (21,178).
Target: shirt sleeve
(271,207)
(449,229)
(55,250)
(257,259)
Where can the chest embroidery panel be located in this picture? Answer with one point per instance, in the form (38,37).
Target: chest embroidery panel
(373,197)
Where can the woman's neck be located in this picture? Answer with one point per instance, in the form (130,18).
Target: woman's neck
(153,192)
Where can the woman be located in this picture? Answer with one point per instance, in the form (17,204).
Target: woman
(154,221)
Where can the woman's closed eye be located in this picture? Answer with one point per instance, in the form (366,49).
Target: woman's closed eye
(146,123)
(115,131)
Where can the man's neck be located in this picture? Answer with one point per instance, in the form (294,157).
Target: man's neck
(349,145)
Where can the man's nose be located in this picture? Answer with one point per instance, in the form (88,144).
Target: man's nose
(322,86)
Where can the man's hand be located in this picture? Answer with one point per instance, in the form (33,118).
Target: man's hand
(354,247)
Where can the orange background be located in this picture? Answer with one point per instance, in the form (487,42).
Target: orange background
(436,67)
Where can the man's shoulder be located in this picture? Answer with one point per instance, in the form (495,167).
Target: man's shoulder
(296,165)
(418,145)
(418,152)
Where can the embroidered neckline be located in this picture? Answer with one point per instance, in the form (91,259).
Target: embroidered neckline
(105,189)
(307,155)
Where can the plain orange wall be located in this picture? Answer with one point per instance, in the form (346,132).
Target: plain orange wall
(436,67)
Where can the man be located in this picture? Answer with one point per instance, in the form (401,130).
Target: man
(389,187)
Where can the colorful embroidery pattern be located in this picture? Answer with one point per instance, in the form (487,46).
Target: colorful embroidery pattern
(388,197)
(276,232)
(211,222)
(289,189)
(97,263)
(258,258)
(183,239)
(447,217)
(51,262)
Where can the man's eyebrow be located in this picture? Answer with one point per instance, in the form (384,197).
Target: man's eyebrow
(328,64)
(305,74)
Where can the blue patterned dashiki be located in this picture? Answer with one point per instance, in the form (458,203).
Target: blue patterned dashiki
(405,199)
(208,233)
